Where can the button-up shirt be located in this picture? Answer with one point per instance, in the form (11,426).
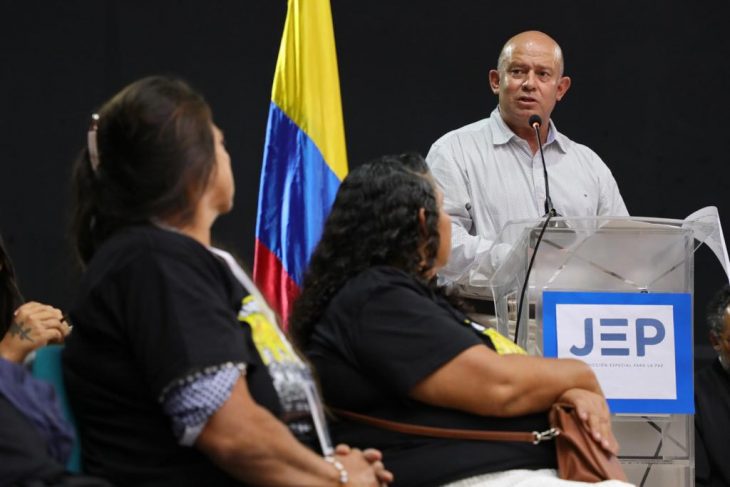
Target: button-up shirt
(490,176)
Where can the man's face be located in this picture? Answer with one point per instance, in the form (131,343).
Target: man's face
(721,342)
(529,81)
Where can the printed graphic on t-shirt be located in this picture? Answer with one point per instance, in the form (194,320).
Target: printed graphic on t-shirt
(502,344)
(290,375)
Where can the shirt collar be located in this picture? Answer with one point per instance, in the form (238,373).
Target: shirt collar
(723,365)
(504,134)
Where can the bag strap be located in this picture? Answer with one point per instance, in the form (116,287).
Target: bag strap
(534,437)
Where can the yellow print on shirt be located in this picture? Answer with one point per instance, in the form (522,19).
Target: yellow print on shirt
(503,345)
(266,336)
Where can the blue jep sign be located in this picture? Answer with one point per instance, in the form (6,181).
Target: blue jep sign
(639,345)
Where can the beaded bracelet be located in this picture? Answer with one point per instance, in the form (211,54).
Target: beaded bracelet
(344,478)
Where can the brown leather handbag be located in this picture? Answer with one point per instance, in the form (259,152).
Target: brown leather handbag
(579,456)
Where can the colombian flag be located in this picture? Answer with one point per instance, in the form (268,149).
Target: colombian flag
(304,153)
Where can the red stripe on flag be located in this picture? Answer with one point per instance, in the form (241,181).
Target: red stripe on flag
(275,284)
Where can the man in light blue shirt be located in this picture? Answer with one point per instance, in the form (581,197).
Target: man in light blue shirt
(491,172)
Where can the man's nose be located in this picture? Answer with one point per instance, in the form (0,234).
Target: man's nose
(529,81)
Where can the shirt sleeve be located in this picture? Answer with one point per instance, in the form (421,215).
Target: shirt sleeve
(610,202)
(191,402)
(470,253)
(402,336)
(180,317)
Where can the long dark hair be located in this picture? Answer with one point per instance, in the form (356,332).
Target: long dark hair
(156,155)
(374,221)
(10,297)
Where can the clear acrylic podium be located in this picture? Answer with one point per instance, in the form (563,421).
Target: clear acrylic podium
(627,255)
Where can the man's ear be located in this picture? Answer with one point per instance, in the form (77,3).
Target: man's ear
(714,341)
(563,86)
(494,81)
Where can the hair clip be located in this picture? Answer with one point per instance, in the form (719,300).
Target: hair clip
(91,142)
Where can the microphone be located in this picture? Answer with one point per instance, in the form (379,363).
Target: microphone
(535,122)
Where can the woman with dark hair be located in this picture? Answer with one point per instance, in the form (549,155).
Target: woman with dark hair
(24,327)
(386,342)
(176,369)
(35,439)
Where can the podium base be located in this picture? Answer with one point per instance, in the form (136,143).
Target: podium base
(656,450)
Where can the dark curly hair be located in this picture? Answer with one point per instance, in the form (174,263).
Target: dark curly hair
(10,297)
(156,155)
(374,221)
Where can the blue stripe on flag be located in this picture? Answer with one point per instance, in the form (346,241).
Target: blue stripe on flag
(296,193)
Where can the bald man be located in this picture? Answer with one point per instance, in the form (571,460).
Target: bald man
(491,171)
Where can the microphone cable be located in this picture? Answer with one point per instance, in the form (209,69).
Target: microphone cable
(527,276)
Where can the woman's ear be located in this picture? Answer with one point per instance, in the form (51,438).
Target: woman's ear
(422,221)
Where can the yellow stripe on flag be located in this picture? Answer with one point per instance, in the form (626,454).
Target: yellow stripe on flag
(306,83)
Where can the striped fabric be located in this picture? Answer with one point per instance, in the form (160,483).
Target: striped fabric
(304,154)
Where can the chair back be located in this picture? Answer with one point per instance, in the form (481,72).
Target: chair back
(47,366)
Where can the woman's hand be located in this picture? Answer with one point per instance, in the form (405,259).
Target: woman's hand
(593,410)
(34,325)
(373,457)
(249,443)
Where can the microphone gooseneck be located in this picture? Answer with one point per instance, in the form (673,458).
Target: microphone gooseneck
(536,122)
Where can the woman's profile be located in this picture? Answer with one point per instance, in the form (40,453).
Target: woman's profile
(387,343)
(170,369)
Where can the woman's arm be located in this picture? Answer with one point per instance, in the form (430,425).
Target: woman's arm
(249,443)
(480,381)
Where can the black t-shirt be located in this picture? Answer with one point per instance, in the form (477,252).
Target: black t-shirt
(154,307)
(712,426)
(381,335)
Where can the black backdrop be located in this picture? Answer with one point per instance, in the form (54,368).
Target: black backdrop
(649,95)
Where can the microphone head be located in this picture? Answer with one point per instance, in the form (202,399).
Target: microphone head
(535,121)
